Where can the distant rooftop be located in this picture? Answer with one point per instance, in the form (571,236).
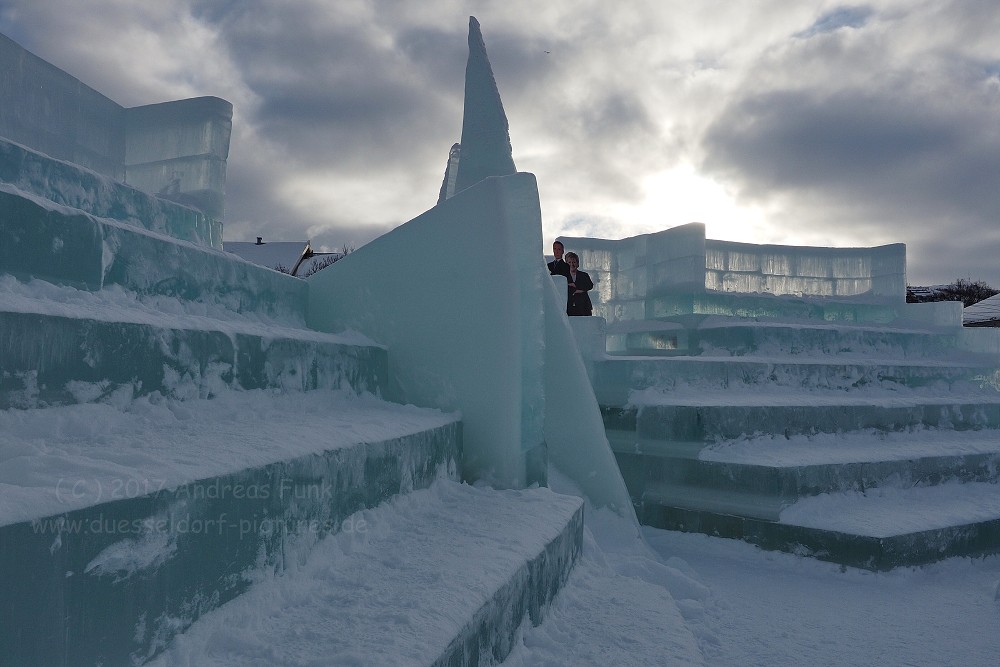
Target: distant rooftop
(278,255)
(984,313)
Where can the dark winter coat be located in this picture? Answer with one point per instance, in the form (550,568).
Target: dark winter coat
(579,304)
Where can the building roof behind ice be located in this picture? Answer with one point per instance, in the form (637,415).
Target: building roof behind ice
(278,255)
(986,313)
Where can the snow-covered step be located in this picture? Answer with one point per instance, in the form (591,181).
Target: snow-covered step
(61,345)
(121,522)
(790,468)
(877,530)
(717,335)
(38,176)
(614,379)
(758,305)
(444,576)
(713,416)
(66,246)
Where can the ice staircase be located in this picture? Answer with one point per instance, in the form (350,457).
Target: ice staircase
(867,435)
(171,432)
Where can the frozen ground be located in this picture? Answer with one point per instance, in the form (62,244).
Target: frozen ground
(778,609)
(748,607)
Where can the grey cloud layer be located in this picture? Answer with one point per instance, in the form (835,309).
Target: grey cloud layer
(855,124)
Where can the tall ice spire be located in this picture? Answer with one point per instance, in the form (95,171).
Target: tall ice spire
(485,144)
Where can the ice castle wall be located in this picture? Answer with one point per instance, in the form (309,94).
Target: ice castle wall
(629,271)
(176,149)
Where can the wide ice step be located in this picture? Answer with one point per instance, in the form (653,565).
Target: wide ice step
(103,507)
(66,246)
(728,415)
(891,512)
(877,530)
(614,379)
(718,335)
(62,345)
(444,576)
(29,173)
(821,469)
(840,448)
(757,305)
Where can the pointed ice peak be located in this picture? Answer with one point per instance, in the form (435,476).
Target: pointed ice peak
(485,142)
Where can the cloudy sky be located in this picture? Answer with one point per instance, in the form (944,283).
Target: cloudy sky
(771,121)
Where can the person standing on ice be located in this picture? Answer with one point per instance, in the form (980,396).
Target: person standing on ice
(558,267)
(578,301)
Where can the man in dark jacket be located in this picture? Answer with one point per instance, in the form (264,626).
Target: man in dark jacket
(558,267)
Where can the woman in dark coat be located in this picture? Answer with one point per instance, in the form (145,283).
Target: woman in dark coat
(578,301)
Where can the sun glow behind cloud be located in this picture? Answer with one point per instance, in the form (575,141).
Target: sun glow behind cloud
(682,195)
(676,197)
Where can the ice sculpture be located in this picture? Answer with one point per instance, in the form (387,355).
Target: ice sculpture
(486,149)
(484,330)
(464,333)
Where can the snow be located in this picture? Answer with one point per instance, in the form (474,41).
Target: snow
(987,310)
(393,589)
(114,303)
(886,511)
(56,459)
(649,598)
(389,588)
(864,446)
(771,609)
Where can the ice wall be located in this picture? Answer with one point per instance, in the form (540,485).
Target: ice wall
(778,269)
(47,109)
(472,319)
(628,272)
(456,296)
(474,323)
(176,149)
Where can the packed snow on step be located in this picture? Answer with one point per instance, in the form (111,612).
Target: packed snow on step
(394,588)
(887,511)
(116,304)
(869,445)
(62,458)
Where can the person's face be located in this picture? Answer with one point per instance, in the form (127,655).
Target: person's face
(557,250)
(573,263)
